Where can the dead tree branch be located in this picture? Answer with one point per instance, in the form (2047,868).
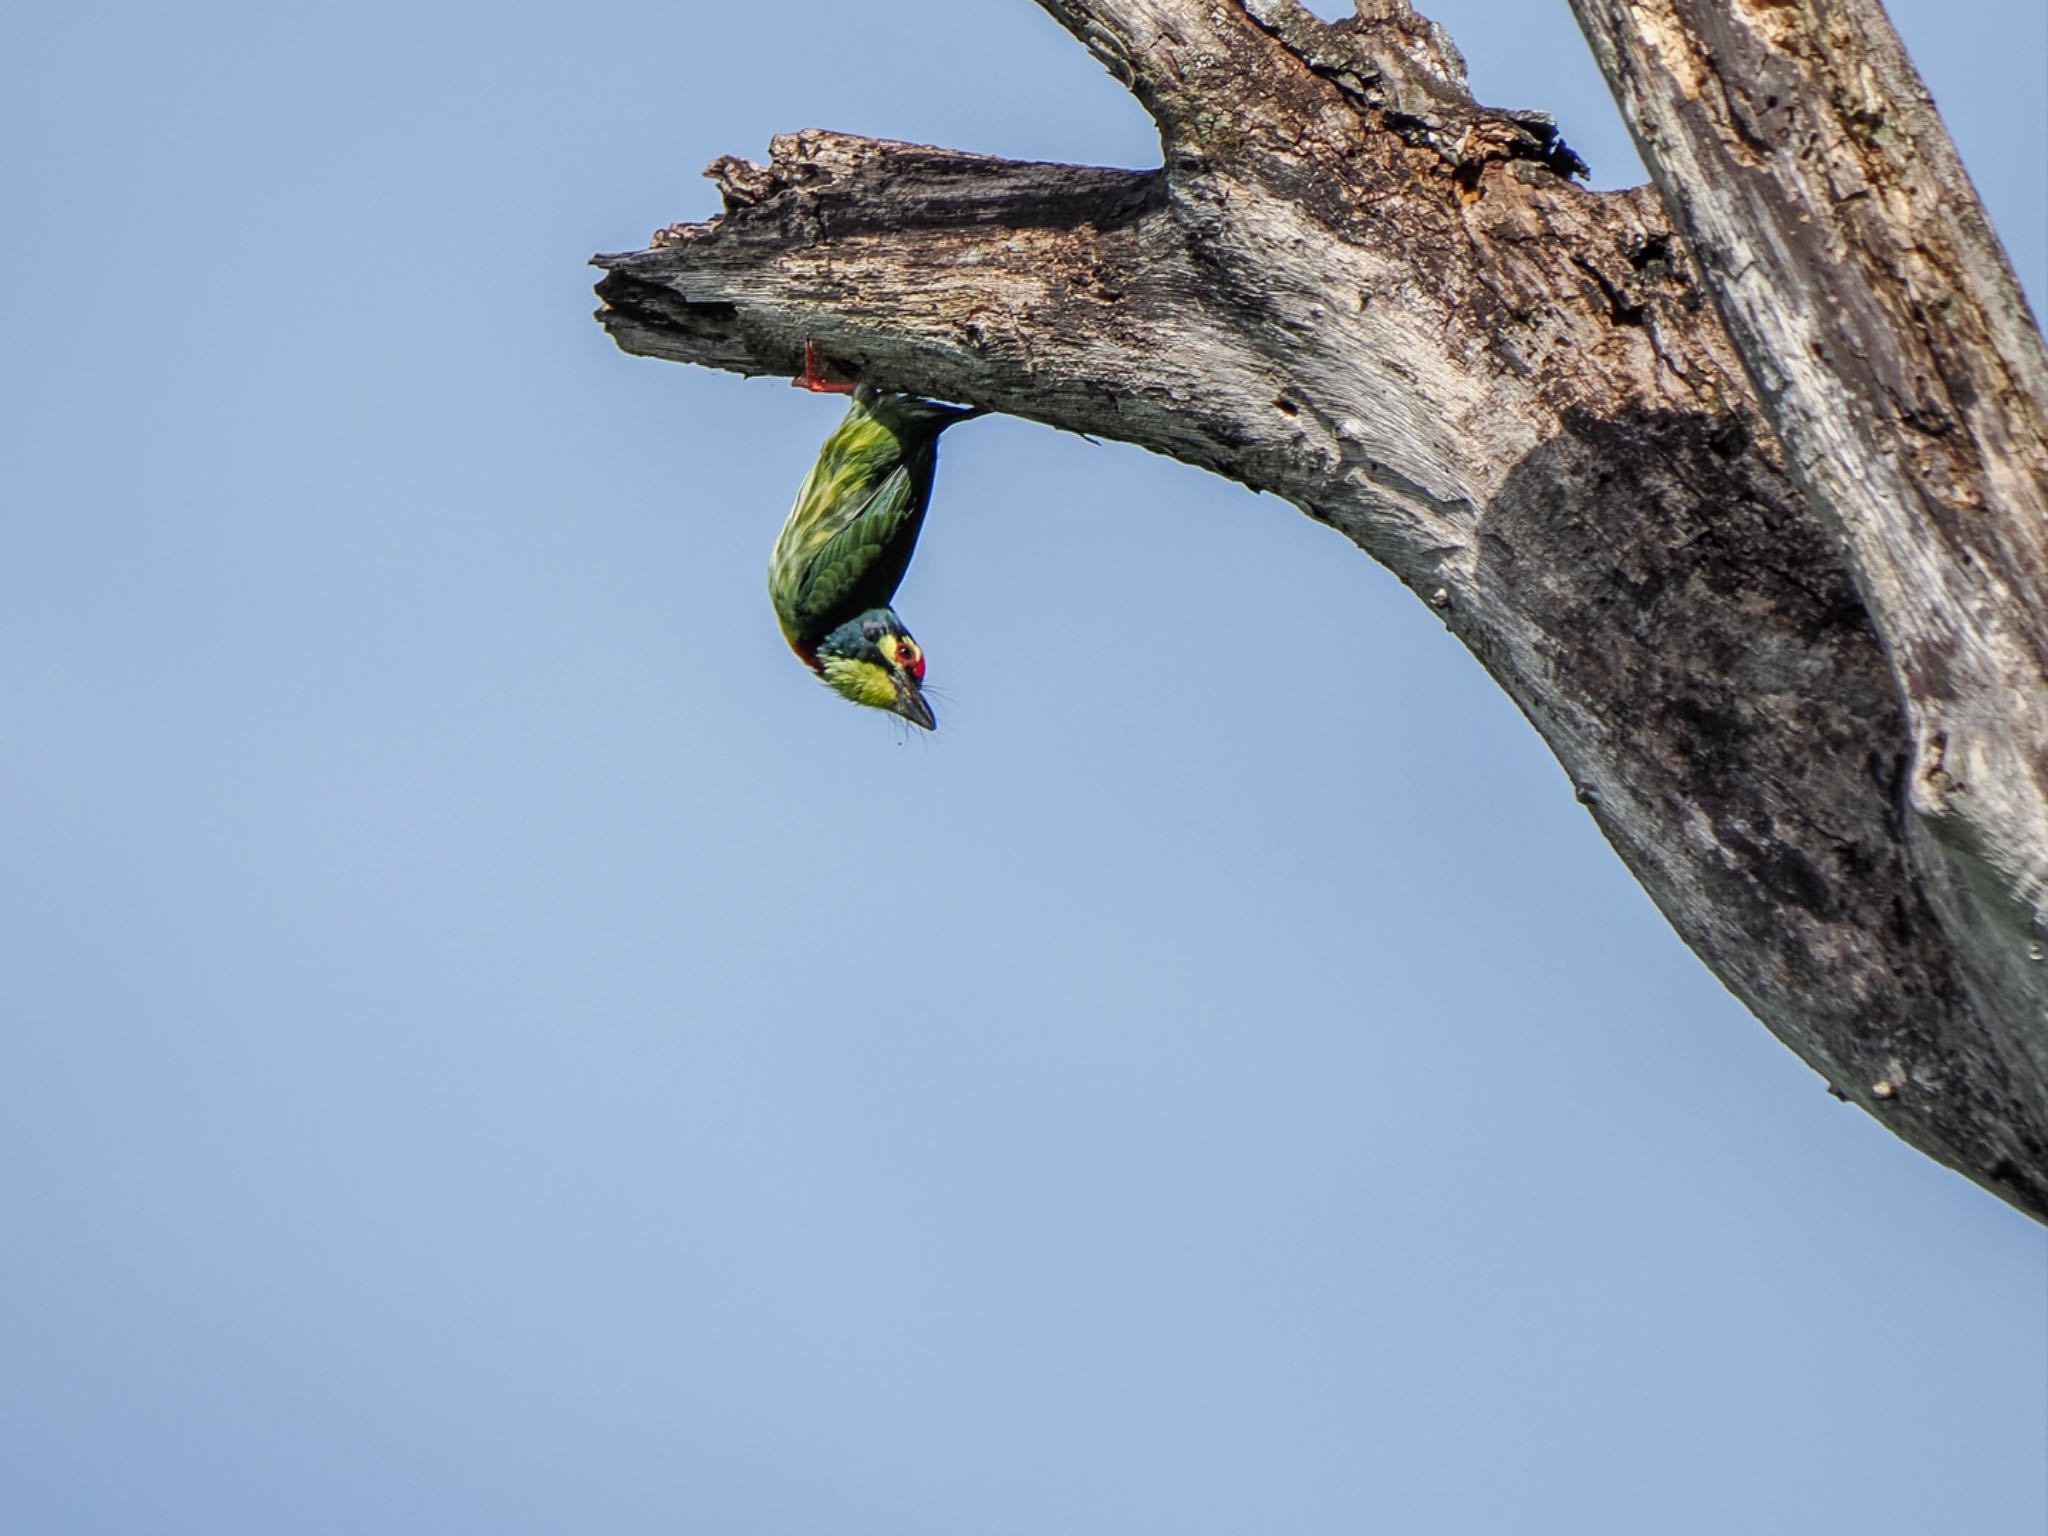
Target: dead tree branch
(1888,338)
(1354,287)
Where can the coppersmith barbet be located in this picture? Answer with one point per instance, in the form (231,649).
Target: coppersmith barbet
(848,540)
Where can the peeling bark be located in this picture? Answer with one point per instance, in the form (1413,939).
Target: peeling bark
(1354,287)
(1890,343)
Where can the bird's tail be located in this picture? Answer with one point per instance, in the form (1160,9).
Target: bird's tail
(947,415)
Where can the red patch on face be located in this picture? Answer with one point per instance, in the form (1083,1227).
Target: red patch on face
(917,667)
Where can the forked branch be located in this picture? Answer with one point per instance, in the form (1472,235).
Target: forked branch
(1350,285)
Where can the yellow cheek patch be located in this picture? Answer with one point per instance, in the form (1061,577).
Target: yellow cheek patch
(889,645)
(861,681)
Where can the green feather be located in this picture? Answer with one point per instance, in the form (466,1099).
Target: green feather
(864,682)
(850,535)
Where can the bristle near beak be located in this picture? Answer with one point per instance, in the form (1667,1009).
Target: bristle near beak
(911,705)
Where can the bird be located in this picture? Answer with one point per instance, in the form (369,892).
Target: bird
(848,540)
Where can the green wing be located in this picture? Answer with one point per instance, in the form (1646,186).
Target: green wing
(850,536)
(859,566)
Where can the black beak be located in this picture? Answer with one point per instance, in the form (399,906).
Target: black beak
(911,706)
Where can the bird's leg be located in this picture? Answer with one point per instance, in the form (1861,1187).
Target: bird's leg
(816,379)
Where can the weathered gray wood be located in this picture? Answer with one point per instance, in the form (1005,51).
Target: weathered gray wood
(1352,286)
(1894,353)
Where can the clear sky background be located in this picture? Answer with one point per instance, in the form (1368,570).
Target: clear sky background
(488,1044)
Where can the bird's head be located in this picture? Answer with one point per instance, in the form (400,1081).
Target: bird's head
(873,661)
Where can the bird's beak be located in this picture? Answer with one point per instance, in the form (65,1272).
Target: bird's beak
(911,706)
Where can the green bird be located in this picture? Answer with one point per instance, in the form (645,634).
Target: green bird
(848,540)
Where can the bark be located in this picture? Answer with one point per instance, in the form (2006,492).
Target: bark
(1888,338)
(1352,286)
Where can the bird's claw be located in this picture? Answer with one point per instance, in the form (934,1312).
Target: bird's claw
(817,380)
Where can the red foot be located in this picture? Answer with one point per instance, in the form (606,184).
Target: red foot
(815,378)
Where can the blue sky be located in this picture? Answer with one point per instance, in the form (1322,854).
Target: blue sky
(490,1045)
